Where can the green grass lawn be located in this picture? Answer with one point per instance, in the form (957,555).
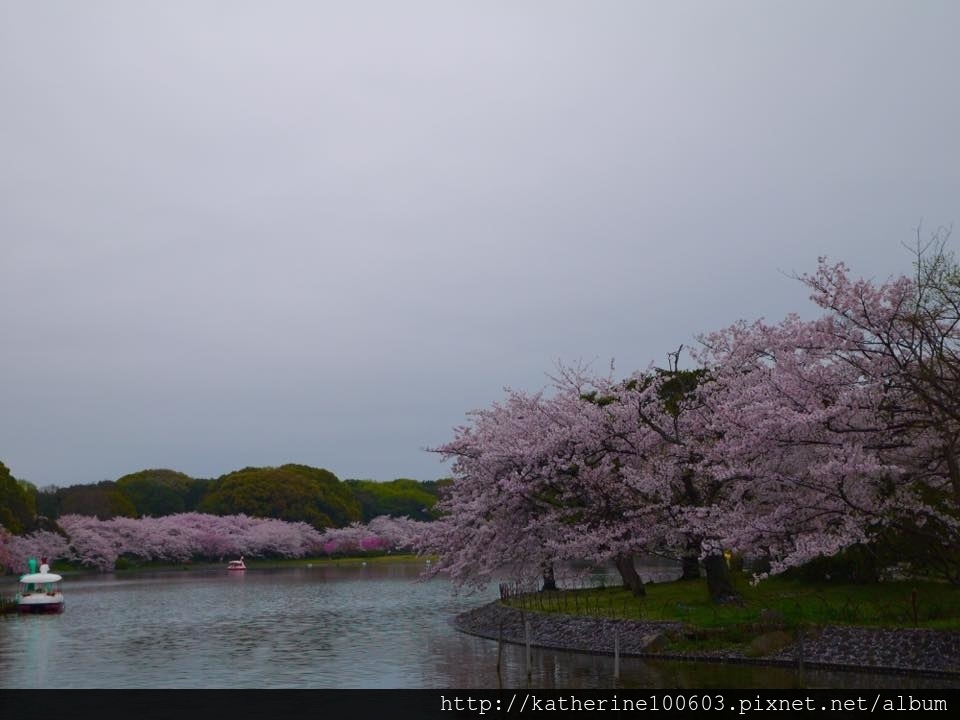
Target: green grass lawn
(888,604)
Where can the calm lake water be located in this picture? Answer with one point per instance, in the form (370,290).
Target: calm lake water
(357,626)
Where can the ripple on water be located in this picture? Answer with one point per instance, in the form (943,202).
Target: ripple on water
(311,628)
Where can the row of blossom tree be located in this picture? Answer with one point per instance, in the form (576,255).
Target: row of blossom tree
(786,441)
(100,543)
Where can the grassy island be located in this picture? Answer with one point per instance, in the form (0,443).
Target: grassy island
(776,605)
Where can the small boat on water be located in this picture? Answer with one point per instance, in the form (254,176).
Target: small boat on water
(236,564)
(40,592)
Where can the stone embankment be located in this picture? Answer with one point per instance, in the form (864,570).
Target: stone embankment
(904,650)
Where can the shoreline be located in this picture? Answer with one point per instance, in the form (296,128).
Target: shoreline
(258,563)
(900,651)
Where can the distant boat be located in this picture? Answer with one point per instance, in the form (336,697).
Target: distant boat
(40,592)
(236,564)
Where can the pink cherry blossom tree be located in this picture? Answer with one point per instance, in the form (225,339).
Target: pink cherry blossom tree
(502,511)
(837,429)
(587,473)
(648,446)
(791,440)
(382,533)
(15,550)
(99,543)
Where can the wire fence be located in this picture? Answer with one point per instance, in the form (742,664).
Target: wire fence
(914,609)
(527,596)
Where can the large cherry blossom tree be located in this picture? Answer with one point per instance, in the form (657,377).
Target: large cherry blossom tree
(790,441)
(839,429)
(599,470)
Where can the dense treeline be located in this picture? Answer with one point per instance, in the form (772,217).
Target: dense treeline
(398,498)
(295,493)
(121,542)
(17,502)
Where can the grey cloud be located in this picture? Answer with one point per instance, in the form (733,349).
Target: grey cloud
(250,233)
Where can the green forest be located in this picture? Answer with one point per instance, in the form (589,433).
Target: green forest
(297,493)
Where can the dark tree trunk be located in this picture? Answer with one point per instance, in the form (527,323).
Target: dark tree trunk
(690,562)
(690,565)
(719,583)
(549,579)
(631,579)
(953,469)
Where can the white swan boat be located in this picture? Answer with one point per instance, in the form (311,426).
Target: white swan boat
(40,592)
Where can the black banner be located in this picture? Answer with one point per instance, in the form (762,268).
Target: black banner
(466,703)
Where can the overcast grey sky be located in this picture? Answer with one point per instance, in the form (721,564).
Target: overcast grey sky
(249,233)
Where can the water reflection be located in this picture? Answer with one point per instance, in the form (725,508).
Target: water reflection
(319,627)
